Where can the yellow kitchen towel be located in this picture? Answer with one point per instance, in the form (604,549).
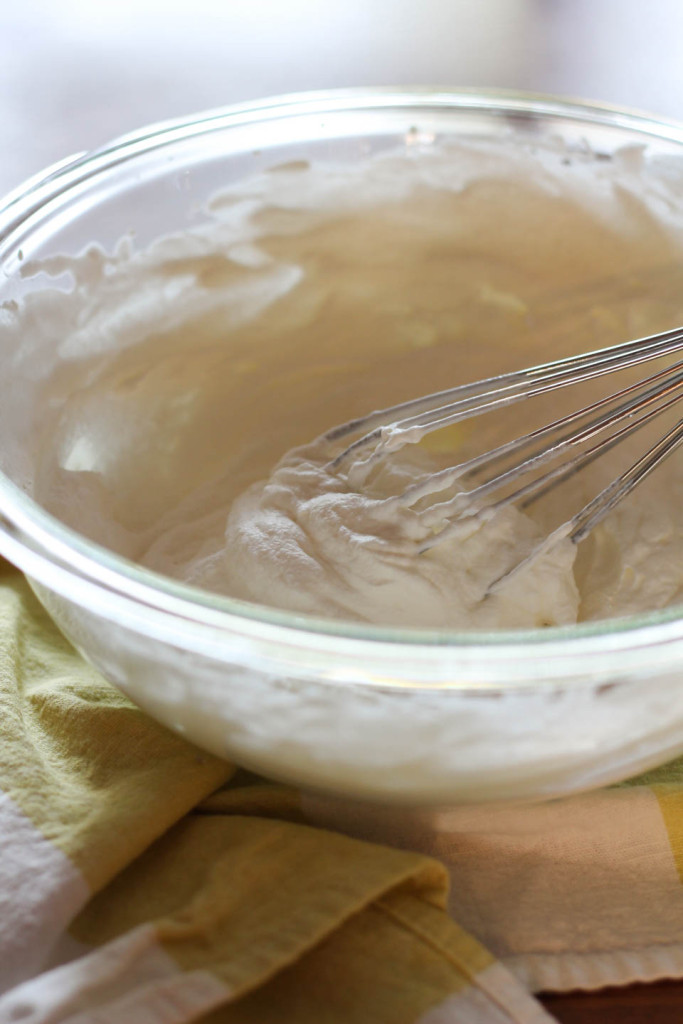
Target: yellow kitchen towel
(143,881)
(129,895)
(579,893)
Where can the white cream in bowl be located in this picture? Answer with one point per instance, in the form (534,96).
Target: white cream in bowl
(178,410)
(146,389)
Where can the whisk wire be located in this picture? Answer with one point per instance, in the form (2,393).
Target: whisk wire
(629,409)
(446,477)
(391,427)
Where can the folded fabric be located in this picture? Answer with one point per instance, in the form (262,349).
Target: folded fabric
(119,906)
(579,893)
(143,881)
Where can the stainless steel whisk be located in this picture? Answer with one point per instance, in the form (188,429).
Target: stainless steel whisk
(610,420)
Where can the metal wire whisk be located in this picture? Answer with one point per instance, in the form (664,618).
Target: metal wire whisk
(606,422)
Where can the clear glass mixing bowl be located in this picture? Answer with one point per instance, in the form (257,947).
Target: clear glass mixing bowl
(393,715)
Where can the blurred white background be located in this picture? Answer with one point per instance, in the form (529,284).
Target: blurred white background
(74,73)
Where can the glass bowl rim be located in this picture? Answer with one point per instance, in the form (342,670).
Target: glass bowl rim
(62,560)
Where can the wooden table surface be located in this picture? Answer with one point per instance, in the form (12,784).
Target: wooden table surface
(638,1004)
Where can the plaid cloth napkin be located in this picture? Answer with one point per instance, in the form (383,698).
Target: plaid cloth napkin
(144,882)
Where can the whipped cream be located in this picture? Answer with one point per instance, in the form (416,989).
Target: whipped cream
(180,386)
(306,540)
